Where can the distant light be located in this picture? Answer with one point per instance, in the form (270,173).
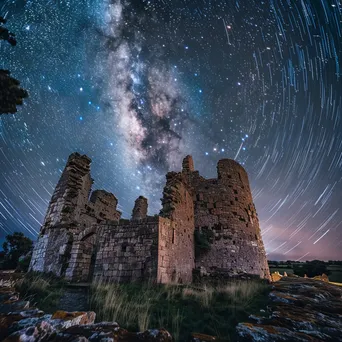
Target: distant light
(229,27)
(200,91)
(138,187)
(98,108)
(78,75)
(239,83)
(187,48)
(81,118)
(196,74)
(81,89)
(42,163)
(49,87)
(89,102)
(222,150)
(111,144)
(244,148)
(206,153)
(27,28)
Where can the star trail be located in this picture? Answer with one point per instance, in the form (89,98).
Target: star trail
(137,85)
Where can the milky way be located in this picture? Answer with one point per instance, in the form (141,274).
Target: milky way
(137,85)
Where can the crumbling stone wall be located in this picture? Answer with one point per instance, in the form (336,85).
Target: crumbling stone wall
(82,256)
(140,208)
(52,250)
(69,213)
(71,194)
(83,237)
(176,258)
(225,206)
(101,207)
(128,251)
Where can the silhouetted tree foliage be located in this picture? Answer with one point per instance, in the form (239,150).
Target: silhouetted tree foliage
(17,248)
(311,269)
(11,95)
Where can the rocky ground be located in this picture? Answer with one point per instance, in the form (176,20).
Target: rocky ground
(299,310)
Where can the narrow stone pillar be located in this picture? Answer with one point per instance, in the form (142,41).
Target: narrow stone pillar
(140,208)
(188,164)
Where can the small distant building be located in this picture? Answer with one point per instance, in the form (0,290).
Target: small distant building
(84,238)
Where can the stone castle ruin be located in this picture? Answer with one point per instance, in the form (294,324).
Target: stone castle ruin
(206,228)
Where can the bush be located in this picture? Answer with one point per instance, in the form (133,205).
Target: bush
(311,269)
(15,247)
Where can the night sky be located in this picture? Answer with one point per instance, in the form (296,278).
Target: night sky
(138,85)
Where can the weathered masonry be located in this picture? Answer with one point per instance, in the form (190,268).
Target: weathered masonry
(83,236)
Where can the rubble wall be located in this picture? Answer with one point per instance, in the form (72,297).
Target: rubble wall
(127,251)
(52,251)
(176,258)
(71,193)
(82,257)
(225,206)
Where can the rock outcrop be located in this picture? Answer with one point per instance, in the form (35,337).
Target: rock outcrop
(300,309)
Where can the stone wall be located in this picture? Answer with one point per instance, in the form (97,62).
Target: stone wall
(225,207)
(52,250)
(83,237)
(82,256)
(71,194)
(69,213)
(176,258)
(127,251)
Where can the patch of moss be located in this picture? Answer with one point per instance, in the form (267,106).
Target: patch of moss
(203,240)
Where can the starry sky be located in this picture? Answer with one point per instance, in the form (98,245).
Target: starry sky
(137,85)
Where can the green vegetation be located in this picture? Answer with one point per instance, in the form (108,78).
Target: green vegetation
(42,290)
(17,248)
(203,240)
(311,268)
(179,309)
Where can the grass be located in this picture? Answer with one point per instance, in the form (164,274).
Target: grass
(43,291)
(179,309)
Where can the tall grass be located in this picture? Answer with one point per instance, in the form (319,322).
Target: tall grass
(43,291)
(180,309)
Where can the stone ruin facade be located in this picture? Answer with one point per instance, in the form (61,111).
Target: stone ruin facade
(83,237)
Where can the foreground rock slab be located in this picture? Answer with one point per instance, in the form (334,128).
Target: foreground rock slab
(301,310)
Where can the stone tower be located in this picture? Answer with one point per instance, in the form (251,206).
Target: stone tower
(225,212)
(71,193)
(69,213)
